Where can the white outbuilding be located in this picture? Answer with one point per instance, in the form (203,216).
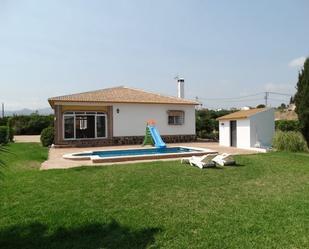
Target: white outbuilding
(248,129)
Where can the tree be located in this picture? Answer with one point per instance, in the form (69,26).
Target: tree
(206,124)
(302,99)
(260,106)
(292,100)
(282,107)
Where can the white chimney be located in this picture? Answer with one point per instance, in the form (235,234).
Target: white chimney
(180,88)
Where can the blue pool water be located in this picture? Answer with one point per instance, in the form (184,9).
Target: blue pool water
(138,152)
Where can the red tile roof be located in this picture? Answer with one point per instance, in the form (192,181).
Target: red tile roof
(242,114)
(121,95)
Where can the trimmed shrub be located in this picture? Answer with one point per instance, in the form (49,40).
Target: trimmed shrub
(287,125)
(47,136)
(4,136)
(289,141)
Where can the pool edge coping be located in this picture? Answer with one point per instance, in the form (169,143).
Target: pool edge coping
(97,159)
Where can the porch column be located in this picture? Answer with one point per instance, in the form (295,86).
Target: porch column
(110,121)
(58,124)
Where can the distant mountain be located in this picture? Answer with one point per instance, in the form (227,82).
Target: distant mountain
(25,111)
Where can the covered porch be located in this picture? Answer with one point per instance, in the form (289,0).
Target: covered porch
(80,125)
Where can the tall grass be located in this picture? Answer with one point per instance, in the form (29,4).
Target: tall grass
(290,141)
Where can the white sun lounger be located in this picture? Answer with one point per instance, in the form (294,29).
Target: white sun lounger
(201,162)
(224,159)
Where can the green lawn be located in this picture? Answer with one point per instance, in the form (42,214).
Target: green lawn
(261,203)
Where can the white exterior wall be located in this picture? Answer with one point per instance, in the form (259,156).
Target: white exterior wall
(262,127)
(132,119)
(224,133)
(243,133)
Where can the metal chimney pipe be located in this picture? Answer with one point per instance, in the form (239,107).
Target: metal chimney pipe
(180,88)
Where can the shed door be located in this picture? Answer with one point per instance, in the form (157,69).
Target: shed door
(233,127)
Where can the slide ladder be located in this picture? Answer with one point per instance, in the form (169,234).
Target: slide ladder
(148,138)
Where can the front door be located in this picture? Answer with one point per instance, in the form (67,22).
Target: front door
(233,132)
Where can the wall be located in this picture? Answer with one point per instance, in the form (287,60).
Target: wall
(262,128)
(132,118)
(243,133)
(224,133)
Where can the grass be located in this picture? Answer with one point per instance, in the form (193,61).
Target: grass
(262,203)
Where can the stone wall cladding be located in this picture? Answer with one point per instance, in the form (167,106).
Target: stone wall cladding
(130,140)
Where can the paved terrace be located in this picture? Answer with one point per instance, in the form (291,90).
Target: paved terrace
(56,161)
(27,138)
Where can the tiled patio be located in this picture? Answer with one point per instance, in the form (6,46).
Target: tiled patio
(56,160)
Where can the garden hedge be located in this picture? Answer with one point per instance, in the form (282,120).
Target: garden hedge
(28,124)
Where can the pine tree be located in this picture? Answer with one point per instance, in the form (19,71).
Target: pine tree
(302,99)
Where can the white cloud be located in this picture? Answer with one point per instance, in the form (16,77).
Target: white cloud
(298,62)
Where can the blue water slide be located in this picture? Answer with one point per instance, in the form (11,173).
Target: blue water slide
(156,137)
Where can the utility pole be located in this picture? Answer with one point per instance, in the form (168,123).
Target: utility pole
(196,100)
(2,110)
(200,104)
(266,98)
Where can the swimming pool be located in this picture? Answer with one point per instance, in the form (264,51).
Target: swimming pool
(137,154)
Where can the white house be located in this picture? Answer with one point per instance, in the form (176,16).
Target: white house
(247,129)
(119,116)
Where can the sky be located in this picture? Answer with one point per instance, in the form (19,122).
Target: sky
(223,49)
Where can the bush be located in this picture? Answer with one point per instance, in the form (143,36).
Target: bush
(3,121)
(10,134)
(31,124)
(4,136)
(10,130)
(47,136)
(289,141)
(287,125)
(213,136)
